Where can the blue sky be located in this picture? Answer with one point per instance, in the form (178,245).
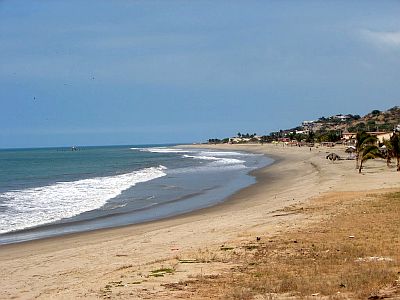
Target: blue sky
(136,72)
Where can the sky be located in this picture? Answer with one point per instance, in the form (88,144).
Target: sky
(139,72)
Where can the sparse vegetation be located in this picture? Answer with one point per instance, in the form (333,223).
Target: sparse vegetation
(162,271)
(353,255)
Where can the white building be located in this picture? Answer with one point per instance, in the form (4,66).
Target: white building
(307,123)
(342,118)
(308,126)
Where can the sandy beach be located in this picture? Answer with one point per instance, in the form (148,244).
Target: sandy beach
(125,262)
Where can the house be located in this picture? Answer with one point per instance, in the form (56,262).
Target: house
(308,125)
(342,118)
(301,131)
(235,140)
(238,140)
(382,135)
(349,138)
(284,140)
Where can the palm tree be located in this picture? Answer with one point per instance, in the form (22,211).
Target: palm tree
(395,143)
(368,152)
(363,139)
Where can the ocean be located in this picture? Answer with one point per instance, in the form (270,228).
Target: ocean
(54,191)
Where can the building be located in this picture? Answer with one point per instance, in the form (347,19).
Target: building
(382,135)
(301,131)
(239,140)
(342,118)
(308,126)
(349,138)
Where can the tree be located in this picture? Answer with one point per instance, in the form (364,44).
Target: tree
(328,136)
(214,141)
(375,112)
(363,140)
(395,143)
(369,151)
(310,137)
(225,140)
(371,125)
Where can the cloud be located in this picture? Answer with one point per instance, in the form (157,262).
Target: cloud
(382,39)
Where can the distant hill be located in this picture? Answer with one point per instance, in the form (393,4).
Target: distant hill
(326,129)
(384,121)
(374,121)
(330,129)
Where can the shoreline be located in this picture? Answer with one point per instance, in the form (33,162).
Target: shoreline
(107,230)
(81,265)
(151,224)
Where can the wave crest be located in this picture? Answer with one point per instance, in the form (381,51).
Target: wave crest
(37,206)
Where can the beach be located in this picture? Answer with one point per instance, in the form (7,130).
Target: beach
(124,262)
(47,193)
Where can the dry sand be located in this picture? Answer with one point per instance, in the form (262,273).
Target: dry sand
(126,262)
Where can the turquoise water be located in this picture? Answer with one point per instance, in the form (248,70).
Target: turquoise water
(53,191)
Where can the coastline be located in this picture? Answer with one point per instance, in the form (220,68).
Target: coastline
(36,232)
(80,265)
(171,182)
(152,224)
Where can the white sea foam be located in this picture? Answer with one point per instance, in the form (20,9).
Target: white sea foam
(165,150)
(42,205)
(218,160)
(224,153)
(198,153)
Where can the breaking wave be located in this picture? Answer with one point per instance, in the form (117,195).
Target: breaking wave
(41,205)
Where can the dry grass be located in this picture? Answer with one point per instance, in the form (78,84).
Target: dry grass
(355,253)
(208,255)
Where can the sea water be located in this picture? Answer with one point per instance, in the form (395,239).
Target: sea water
(54,191)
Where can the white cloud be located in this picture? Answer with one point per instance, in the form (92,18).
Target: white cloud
(383,39)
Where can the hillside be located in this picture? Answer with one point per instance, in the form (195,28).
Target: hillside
(373,121)
(326,129)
